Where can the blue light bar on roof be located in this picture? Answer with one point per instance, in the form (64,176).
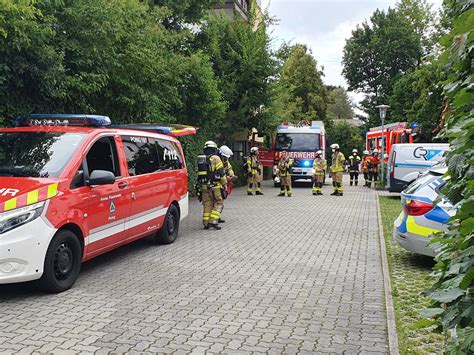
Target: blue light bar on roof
(62,120)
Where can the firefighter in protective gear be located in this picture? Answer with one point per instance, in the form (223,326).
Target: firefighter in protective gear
(284,173)
(253,168)
(366,166)
(211,174)
(354,161)
(374,169)
(337,169)
(319,168)
(225,153)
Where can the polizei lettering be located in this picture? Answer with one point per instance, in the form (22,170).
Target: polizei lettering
(5,191)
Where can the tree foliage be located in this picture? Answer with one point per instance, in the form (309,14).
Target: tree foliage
(301,94)
(418,98)
(347,136)
(243,66)
(453,291)
(340,106)
(377,52)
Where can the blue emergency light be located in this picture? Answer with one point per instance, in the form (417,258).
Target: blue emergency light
(61,120)
(307,163)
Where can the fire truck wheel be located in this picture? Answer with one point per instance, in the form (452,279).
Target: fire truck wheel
(62,262)
(169,231)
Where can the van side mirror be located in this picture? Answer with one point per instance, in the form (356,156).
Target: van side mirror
(101,177)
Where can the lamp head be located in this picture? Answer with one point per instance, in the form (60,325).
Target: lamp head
(383,110)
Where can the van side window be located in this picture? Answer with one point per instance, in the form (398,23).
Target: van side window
(142,156)
(103,156)
(170,158)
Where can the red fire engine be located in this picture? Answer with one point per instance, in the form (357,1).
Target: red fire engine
(393,133)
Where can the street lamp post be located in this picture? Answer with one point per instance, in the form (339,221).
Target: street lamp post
(383,113)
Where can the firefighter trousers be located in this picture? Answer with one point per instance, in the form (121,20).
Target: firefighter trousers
(213,204)
(337,182)
(285,185)
(354,176)
(253,180)
(317,183)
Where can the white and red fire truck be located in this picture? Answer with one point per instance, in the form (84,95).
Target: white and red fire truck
(301,141)
(73,187)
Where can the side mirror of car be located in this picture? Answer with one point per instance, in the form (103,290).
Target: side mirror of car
(101,177)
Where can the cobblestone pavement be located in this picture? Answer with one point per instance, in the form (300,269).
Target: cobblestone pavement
(292,275)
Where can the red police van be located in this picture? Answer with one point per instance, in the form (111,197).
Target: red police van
(73,187)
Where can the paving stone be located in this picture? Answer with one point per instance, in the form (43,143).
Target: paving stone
(294,275)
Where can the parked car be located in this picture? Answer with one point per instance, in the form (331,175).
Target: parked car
(72,188)
(425,211)
(407,161)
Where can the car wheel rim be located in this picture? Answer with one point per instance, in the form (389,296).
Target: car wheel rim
(171,224)
(63,261)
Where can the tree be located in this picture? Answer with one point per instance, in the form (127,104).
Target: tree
(340,105)
(419,13)
(347,136)
(243,66)
(418,98)
(376,54)
(301,94)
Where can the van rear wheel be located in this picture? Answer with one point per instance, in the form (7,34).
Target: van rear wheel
(169,230)
(62,263)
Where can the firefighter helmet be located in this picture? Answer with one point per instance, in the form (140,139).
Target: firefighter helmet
(210,144)
(355,151)
(226,151)
(335,146)
(365,152)
(254,150)
(319,152)
(376,151)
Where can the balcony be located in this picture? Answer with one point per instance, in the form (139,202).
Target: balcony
(233,7)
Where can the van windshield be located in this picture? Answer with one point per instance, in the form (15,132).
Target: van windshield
(36,154)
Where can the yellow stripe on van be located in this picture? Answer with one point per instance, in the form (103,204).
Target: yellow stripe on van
(52,190)
(32,197)
(10,204)
(412,227)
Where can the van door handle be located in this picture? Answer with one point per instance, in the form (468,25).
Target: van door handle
(122,185)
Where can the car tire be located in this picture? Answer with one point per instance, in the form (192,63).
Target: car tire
(169,230)
(62,263)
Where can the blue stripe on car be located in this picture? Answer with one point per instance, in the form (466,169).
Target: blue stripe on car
(437,214)
(413,165)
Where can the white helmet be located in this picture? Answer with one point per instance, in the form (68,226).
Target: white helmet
(366,152)
(335,146)
(355,151)
(226,151)
(254,150)
(210,144)
(319,152)
(376,151)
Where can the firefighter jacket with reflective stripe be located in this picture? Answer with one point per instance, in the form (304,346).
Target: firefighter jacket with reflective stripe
(354,161)
(338,160)
(366,164)
(216,167)
(375,164)
(229,171)
(319,166)
(253,165)
(284,167)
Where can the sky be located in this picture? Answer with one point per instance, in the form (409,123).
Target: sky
(324,26)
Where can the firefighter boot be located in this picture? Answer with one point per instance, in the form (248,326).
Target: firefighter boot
(221,220)
(320,186)
(356,182)
(288,191)
(282,191)
(214,226)
(250,189)
(350,182)
(257,190)
(334,193)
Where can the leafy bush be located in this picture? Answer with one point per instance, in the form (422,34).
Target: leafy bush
(453,291)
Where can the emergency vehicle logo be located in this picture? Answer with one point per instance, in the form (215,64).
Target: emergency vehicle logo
(427,154)
(112,207)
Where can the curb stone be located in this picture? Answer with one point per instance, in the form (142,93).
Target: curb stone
(391,324)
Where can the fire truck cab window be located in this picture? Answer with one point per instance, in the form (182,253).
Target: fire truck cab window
(297,141)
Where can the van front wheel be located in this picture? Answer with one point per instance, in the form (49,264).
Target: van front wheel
(169,230)
(62,263)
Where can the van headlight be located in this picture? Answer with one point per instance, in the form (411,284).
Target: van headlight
(12,219)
